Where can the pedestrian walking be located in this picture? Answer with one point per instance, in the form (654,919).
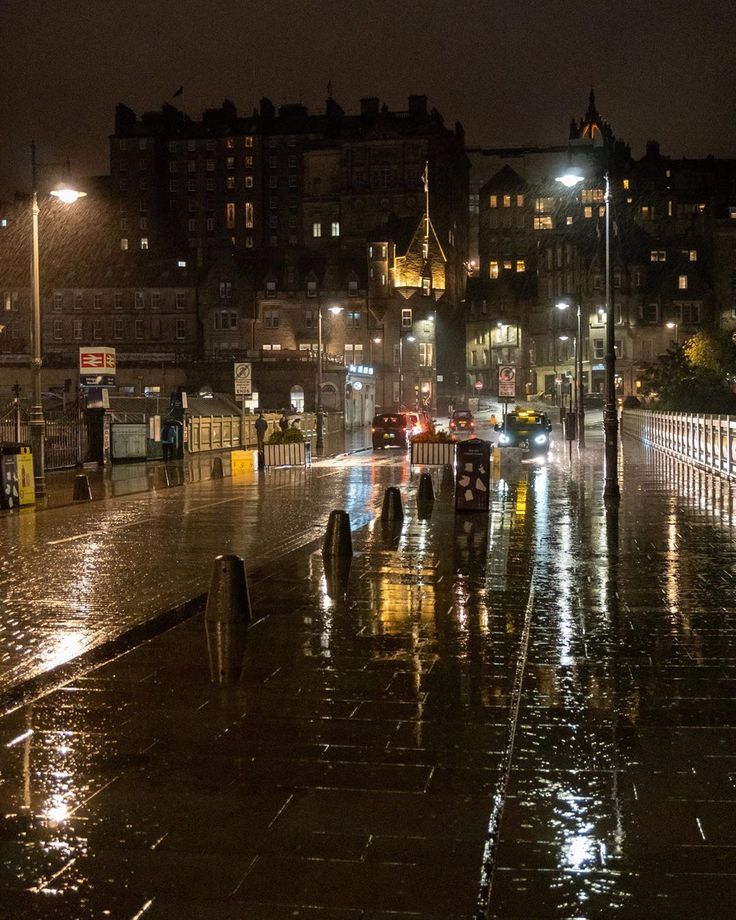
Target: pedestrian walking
(261,429)
(168,441)
(283,421)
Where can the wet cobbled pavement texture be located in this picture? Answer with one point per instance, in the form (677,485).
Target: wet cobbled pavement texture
(522,714)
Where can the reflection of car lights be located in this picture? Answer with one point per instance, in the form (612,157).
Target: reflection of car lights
(540,439)
(505,439)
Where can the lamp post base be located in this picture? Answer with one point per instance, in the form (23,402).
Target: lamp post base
(320,429)
(36,429)
(611,490)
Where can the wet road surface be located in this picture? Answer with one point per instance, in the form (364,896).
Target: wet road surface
(522,715)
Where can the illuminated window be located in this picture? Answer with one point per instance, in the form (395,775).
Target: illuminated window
(249,142)
(335,228)
(230,182)
(249,181)
(520,265)
(494,201)
(316,229)
(519,201)
(626,183)
(569,220)
(494,269)
(248,214)
(507,201)
(588,212)
(144,243)
(682,282)
(669,209)
(543,223)
(693,255)
(230,215)
(406,319)
(507,265)
(124,244)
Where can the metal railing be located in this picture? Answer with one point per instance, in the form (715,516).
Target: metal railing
(706,441)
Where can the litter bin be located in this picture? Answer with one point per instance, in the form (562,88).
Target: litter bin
(473,475)
(16,474)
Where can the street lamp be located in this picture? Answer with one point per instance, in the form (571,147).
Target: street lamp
(611,490)
(320,421)
(578,375)
(409,338)
(676,327)
(378,340)
(36,422)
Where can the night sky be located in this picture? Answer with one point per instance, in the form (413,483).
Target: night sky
(513,71)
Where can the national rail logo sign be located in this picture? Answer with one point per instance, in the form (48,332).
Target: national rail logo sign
(97,366)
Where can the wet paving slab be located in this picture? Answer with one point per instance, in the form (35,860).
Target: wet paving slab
(524,715)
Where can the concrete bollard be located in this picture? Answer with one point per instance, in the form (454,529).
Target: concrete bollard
(393,509)
(426,488)
(82,491)
(228,600)
(217,468)
(338,540)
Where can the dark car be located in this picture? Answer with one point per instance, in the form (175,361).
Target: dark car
(593,401)
(393,429)
(526,428)
(462,420)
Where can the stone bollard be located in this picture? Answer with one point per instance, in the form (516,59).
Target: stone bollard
(425,492)
(217,468)
(338,540)
(228,599)
(393,509)
(337,573)
(82,491)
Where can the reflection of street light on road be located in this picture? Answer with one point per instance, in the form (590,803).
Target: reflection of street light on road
(320,420)
(572,177)
(676,327)
(409,338)
(36,423)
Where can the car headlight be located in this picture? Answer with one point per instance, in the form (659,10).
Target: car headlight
(540,439)
(505,439)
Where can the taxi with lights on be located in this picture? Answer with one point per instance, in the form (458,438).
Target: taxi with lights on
(526,428)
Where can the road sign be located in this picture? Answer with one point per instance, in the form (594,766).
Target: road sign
(243,379)
(507,381)
(478,384)
(99,360)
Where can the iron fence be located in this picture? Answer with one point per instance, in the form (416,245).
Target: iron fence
(65,440)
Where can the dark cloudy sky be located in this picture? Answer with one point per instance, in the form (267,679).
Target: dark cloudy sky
(513,71)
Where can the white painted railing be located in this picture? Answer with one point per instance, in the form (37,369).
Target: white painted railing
(706,441)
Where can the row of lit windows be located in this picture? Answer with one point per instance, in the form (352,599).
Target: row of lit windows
(508,265)
(506,201)
(119,327)
(660,255)
(317,228)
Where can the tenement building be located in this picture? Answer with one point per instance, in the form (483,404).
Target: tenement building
(251,237)
(541,258)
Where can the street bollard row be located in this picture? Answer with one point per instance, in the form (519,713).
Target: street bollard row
(228,611)
(82,491)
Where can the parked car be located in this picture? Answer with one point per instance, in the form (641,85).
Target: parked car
(593,401)
(462,420)
(526,428)
(394,429)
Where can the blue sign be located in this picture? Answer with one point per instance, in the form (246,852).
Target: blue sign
(97,380)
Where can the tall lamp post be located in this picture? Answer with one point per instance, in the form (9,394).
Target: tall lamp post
(409,338)
(36,422)
(378,340)
(578,375)
(320,419)
(611,490)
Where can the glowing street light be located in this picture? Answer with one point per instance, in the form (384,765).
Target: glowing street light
(676,327)
(36,422)
(320,420)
